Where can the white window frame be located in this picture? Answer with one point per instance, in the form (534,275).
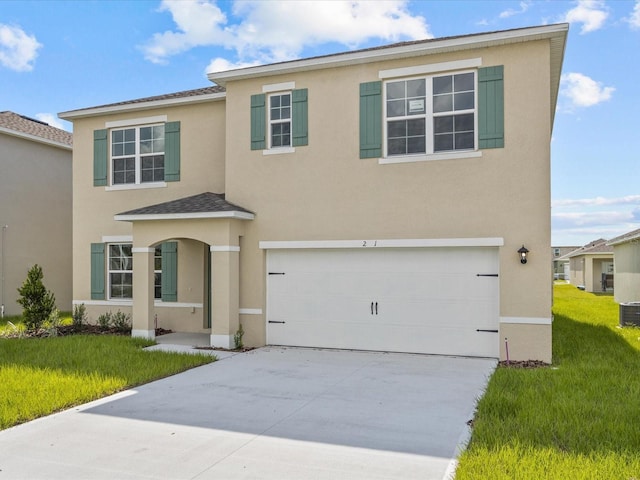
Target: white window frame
(110,271)
(429,115)
(271,122)
(138,156)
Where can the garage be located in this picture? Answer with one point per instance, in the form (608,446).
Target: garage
(442,300)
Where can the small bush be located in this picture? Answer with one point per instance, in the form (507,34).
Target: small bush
(121,321)
(104,320)
(37,302)
(79,316)
(237,337)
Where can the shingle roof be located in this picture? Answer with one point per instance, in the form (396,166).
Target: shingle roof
(626,237)
(29,126)
(596,246)
(203,203)
(168,96)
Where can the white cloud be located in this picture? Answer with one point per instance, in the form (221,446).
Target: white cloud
(510,12)
(279,30)
(18,50)
(51,119)
(634,19)
(583,91)
(590,13)
(598,201)
(582,219)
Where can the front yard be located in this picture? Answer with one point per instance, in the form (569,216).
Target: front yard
(579,418)
(39,376)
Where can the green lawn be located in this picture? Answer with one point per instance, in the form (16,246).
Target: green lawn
(39,376)
(580,418)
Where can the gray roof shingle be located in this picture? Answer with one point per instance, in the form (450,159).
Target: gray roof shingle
(633,235)
(29,126)
(202,203)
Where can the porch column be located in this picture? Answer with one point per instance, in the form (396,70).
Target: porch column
(225,294)
(143,293)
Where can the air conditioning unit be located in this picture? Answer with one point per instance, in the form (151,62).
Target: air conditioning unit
(630,314)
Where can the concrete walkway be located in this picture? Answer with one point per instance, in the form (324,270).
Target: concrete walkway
(271,413)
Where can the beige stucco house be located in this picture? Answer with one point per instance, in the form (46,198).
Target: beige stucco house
(591,267)
(374,199)
(35,208)
(626,252)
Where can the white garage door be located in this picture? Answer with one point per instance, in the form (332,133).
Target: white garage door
(421,300)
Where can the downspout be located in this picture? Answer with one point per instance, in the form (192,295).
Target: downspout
(4,228)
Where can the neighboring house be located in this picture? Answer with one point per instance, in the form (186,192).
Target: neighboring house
(35,208)
(373,200)
(560,262)
(626,251)
(591,266)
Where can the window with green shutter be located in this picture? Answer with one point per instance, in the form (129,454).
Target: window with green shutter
(280,120)
(433,114)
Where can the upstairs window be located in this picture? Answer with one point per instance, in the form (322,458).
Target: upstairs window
(137,155)
(431,114)
(280,120)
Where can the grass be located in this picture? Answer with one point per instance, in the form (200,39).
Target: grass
(580,418)
(39,376)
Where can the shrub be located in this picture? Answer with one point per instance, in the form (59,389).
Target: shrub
(121,321)
(237,337)
(79,316)
(37,302)
(104,320)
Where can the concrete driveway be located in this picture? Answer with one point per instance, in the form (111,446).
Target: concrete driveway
(272,413)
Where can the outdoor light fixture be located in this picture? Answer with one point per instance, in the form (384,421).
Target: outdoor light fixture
(523,254)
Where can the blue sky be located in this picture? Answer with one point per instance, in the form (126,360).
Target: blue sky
(63,55)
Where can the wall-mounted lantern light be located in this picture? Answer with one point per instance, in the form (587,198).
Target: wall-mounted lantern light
(523,254)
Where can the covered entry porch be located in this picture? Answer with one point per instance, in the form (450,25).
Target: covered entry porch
(203,265)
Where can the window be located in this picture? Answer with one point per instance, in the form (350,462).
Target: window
(430,115)
(157,273)
(280,120)
(120,270)
(137,155)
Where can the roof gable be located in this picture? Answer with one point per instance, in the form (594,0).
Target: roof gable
(18,125)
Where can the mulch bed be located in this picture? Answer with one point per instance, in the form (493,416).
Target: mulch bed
(66,330)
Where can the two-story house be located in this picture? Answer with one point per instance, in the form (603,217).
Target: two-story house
(35,208)
(393,198)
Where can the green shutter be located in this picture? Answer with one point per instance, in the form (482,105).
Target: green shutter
(172,151)
(491,107)
(100,155)
(258,122)
(300,117)
(169,272)
(371,120)
(97,271)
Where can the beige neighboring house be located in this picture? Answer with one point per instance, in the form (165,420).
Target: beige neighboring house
(35,208)
(560,262)
(626,251)
(372,200)
(591,266)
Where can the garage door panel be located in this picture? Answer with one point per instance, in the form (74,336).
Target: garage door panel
(428,300)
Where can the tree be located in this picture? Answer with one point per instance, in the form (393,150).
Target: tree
(37,302)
